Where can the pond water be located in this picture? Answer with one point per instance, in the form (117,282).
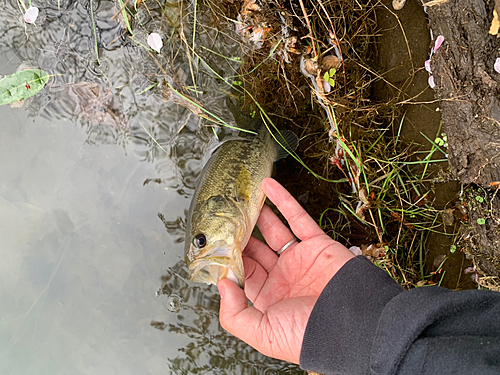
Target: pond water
(92,281)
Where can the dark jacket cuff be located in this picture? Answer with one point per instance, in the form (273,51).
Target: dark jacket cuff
(340,331)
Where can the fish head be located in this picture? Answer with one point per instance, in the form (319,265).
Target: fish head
(215,238)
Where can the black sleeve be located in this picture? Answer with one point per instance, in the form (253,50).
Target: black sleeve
(365,323)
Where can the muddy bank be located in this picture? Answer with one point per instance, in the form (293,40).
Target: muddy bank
(381,97)
(468,86)
(403,46)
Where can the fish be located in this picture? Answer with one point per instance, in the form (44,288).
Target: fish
(227,202)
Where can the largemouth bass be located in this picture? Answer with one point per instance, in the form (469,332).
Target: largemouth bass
(226,205)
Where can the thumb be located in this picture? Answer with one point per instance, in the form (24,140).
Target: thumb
(237,316)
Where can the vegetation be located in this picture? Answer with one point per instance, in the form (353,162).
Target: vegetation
(309,67)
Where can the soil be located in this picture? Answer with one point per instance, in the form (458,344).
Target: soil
(403,47)
(469,87)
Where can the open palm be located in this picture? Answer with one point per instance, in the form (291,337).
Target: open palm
(282,288)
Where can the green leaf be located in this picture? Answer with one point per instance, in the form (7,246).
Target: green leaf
(326,76)
(481,221)
(22,85)
(453,248)
(332,72)
(479,199)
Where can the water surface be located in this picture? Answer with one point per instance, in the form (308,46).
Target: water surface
(92,281)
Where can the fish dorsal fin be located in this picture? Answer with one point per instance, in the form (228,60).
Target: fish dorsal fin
(215,143)
(286,142)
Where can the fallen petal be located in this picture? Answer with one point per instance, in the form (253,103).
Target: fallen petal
(31,15)
(398,4)
(432,84)
(355,250)
(469,270)
(439,41)
(326,86)
(427,65)
(497,65)
(155,42)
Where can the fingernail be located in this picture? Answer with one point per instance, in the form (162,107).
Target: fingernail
(221,290)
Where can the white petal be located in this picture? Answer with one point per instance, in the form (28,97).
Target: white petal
(355,250)
(497,65)
(155,42)
(427,65)
(431,82)
(31,15)
(439,41)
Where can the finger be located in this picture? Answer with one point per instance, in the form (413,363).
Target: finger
(236,316)
(303,225)
(261,253)
(255,278)
(272,228)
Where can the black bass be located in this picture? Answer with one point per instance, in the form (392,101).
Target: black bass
(227,203)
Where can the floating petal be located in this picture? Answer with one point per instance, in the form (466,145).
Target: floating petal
(155,42)
(432,84)
(31,15)
(427,65)
(497,65)
(439,41)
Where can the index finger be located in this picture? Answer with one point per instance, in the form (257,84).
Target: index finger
(302,225)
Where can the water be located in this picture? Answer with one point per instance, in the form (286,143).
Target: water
(92,281)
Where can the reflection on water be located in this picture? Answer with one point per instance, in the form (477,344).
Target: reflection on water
(91,281)
(210,348)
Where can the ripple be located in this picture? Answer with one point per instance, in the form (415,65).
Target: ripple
(174,303)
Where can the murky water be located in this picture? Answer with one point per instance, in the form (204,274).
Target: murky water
(92,281)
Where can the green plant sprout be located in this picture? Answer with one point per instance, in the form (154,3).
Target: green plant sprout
(328,76)
(442,141)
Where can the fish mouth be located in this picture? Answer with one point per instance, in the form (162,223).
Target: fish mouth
(217,264)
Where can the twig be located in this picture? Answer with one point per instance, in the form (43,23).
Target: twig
(309,27)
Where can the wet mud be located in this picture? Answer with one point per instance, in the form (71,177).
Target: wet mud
(404,45)
(468,87)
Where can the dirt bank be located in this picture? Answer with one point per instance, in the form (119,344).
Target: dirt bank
(468,86)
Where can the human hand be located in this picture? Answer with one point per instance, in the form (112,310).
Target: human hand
(284,288)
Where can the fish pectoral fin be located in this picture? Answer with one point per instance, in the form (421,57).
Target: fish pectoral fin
(286,142)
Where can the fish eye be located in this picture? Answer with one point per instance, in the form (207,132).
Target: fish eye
(200,240)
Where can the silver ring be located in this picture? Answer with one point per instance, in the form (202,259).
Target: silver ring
(282,250)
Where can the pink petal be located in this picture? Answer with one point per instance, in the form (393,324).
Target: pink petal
(497,65)
(470,270)
(427,65)
(439,41)
(326,86)
(31,15)
(432,84)
(155,42)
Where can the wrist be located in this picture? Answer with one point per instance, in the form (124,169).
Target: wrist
(342,325)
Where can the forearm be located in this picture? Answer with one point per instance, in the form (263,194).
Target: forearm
(365,323)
